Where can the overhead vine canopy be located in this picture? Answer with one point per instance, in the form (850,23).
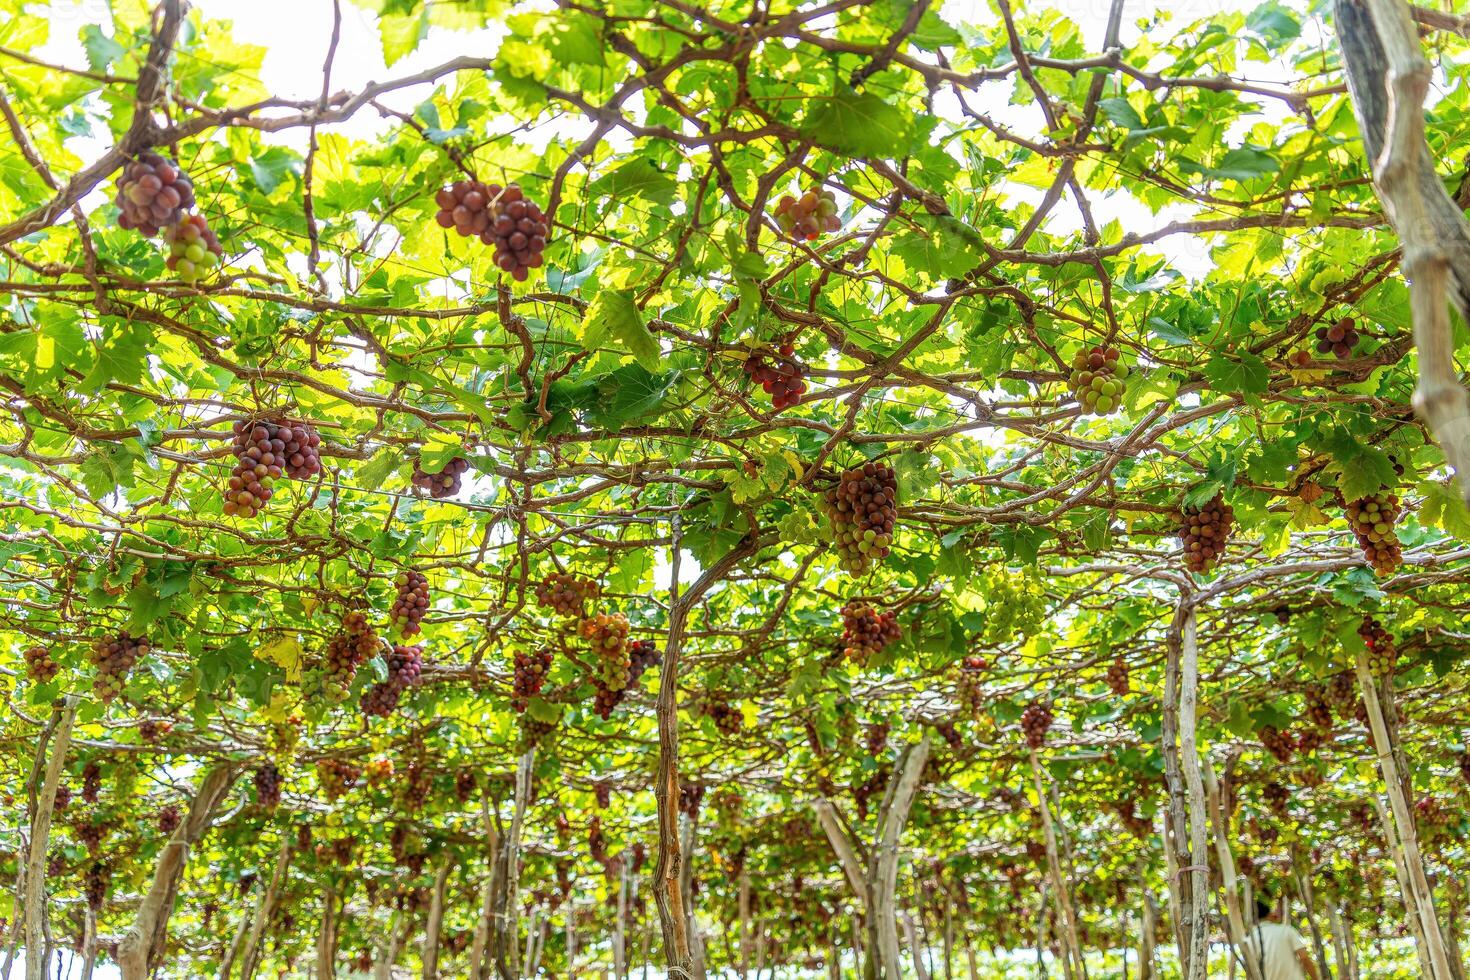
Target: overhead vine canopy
(811,483)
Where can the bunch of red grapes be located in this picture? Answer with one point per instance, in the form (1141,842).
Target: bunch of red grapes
(602,794)
(266,450)
(1317,710)
(151,730)
(168,819)
(863,508)
(1097,380)
(113,659)
(152,193)
(268,786)
(39,665)
(1338,339)
(529,676)
(1036,720)
(866,631)
(1372,519)
(804,218)
(405,666)
(727,718)
(446,482)
(193,248)
(1342,690)
(691,795)
(1117,676)
(970,688)
(411,602)
(950,734)
(1309,740)
(1382,651)
(642,654)
(466,784)
(99,877)
(62,799)
(1278,743)
(1276,796)
(566,594)
(346,651)
(498,216)
(607,635)
(336,776)
(876,738)
(781,378)
(1204,531)
(91,781)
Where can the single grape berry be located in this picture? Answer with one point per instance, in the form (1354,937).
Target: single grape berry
(498,216)
(566,594)
(1097,380)
(1204,530)
(1339,339)
(411,603)
(193,249)
(1117,676)
(530,670)
(863,508)
(152,193)
(866,631)
(781,379)
(1372,519)
(1036,720)
(113,659)
(805,218)
(266,450)
(39,665)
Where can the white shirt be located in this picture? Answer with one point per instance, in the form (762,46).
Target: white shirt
(1280,944)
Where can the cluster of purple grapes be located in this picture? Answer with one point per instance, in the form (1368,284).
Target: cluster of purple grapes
(411,603)
(266,450)
(446,482)
(405,666)
(498,216)
(642,654)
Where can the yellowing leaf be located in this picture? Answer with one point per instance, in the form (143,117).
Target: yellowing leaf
(285,652)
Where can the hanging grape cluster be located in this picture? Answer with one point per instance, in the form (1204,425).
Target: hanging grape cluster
(268,786)
(1318,711)
(152,192)
(345,652)
(950,734)
(1036,720)
(266,450)
(446,482)
(91,781)
(781,378)
(1117,676)
(193,248)
(498,216)
(607,635)
(1382,651)
(1342,691)
(405,665)
(168,819)
(99,877)
(466,784)
(1339,339)
(566,594)
(876,738)
(113,659)
(62,799)
(1097,380)
(39,665)
(866,632)
(863,508)
(1276,796)
(1372,519)
(336,776)
(1280,744)
(151,730)
(414,787)
(534,731)
(411,602)
(1205,531)
(530,671)
(727,718)
(805,218)
(970,687)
